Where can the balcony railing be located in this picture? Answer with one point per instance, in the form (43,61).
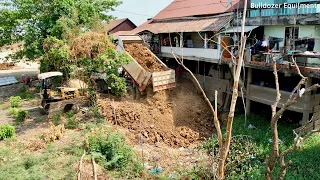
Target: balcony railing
(192,52)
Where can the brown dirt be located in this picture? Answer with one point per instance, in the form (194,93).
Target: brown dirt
(177,117)
(141,54)
(6,65)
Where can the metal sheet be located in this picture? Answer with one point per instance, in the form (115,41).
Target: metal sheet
(184,25)
(238,29)
(7,81)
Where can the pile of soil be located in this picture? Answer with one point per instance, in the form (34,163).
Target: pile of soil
(6,65)
(144,57)
(177,117)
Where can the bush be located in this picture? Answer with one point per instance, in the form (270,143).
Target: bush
(56,119)
(15,101)
(117,84)
(22,115)
(6,131)
(18,114)
(110,150)
(25,94)
(72,123)
(13,111)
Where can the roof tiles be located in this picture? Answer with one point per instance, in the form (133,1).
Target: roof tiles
(185,8)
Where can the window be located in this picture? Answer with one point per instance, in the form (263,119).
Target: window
(291,34)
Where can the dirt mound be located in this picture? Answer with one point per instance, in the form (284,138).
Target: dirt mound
(176,117)
(144,57)
(6,65)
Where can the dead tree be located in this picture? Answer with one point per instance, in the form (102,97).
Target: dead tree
(224,145)
(276,115)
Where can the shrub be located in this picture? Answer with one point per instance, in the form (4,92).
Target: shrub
(6,131)
(15,101)
(110,150)
(56,119)
(18,114)
(22,115)
(25,94)
(117,84)
(13,111)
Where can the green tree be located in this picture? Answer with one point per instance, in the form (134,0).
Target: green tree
(32,21)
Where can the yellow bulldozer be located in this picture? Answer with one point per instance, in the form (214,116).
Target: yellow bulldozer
(59,99)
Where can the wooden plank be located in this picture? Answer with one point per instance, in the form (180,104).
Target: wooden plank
(167,81)
(162,80)
(163,87)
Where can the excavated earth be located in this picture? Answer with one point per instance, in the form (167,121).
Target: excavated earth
(144,57)
(177,117)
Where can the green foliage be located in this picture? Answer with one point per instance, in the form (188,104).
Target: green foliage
(117,85)
(57,55)
(6,131)
(249,147)
(50,164)
(18,114)
(110,150)
(37,24)
(13,111)
(72,123)
(22,114)
(15,101)
(56,119)
(25,94)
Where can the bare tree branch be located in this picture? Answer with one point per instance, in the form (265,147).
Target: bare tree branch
(276,115)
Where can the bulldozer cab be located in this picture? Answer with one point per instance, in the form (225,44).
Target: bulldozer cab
(59,93)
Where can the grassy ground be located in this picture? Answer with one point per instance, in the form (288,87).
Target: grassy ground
(59,159)
(55,162)
(250,147)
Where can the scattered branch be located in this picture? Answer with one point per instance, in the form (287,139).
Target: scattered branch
(94,169)
(80,165)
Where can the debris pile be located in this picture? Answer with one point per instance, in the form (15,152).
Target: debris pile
(90,45)
(144,57)
(6,65)
(177,117)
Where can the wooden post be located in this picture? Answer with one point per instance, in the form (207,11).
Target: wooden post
(307,102)
(249,81)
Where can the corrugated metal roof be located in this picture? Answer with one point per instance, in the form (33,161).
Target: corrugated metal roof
(238,29)
(184,8)
(8,80)
(116,34)
(187,25)
(114,23)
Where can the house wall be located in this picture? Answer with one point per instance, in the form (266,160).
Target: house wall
(125,26)
(304,31)
(196,39)
(275,31)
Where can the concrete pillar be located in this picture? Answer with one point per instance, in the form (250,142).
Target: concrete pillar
(205,41)
(219,46)
(307,103)
(249,81)
(181,39)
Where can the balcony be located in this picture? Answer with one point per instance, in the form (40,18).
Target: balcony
(210,55)
(267,96)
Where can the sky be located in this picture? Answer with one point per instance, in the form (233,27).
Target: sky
(138,11)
